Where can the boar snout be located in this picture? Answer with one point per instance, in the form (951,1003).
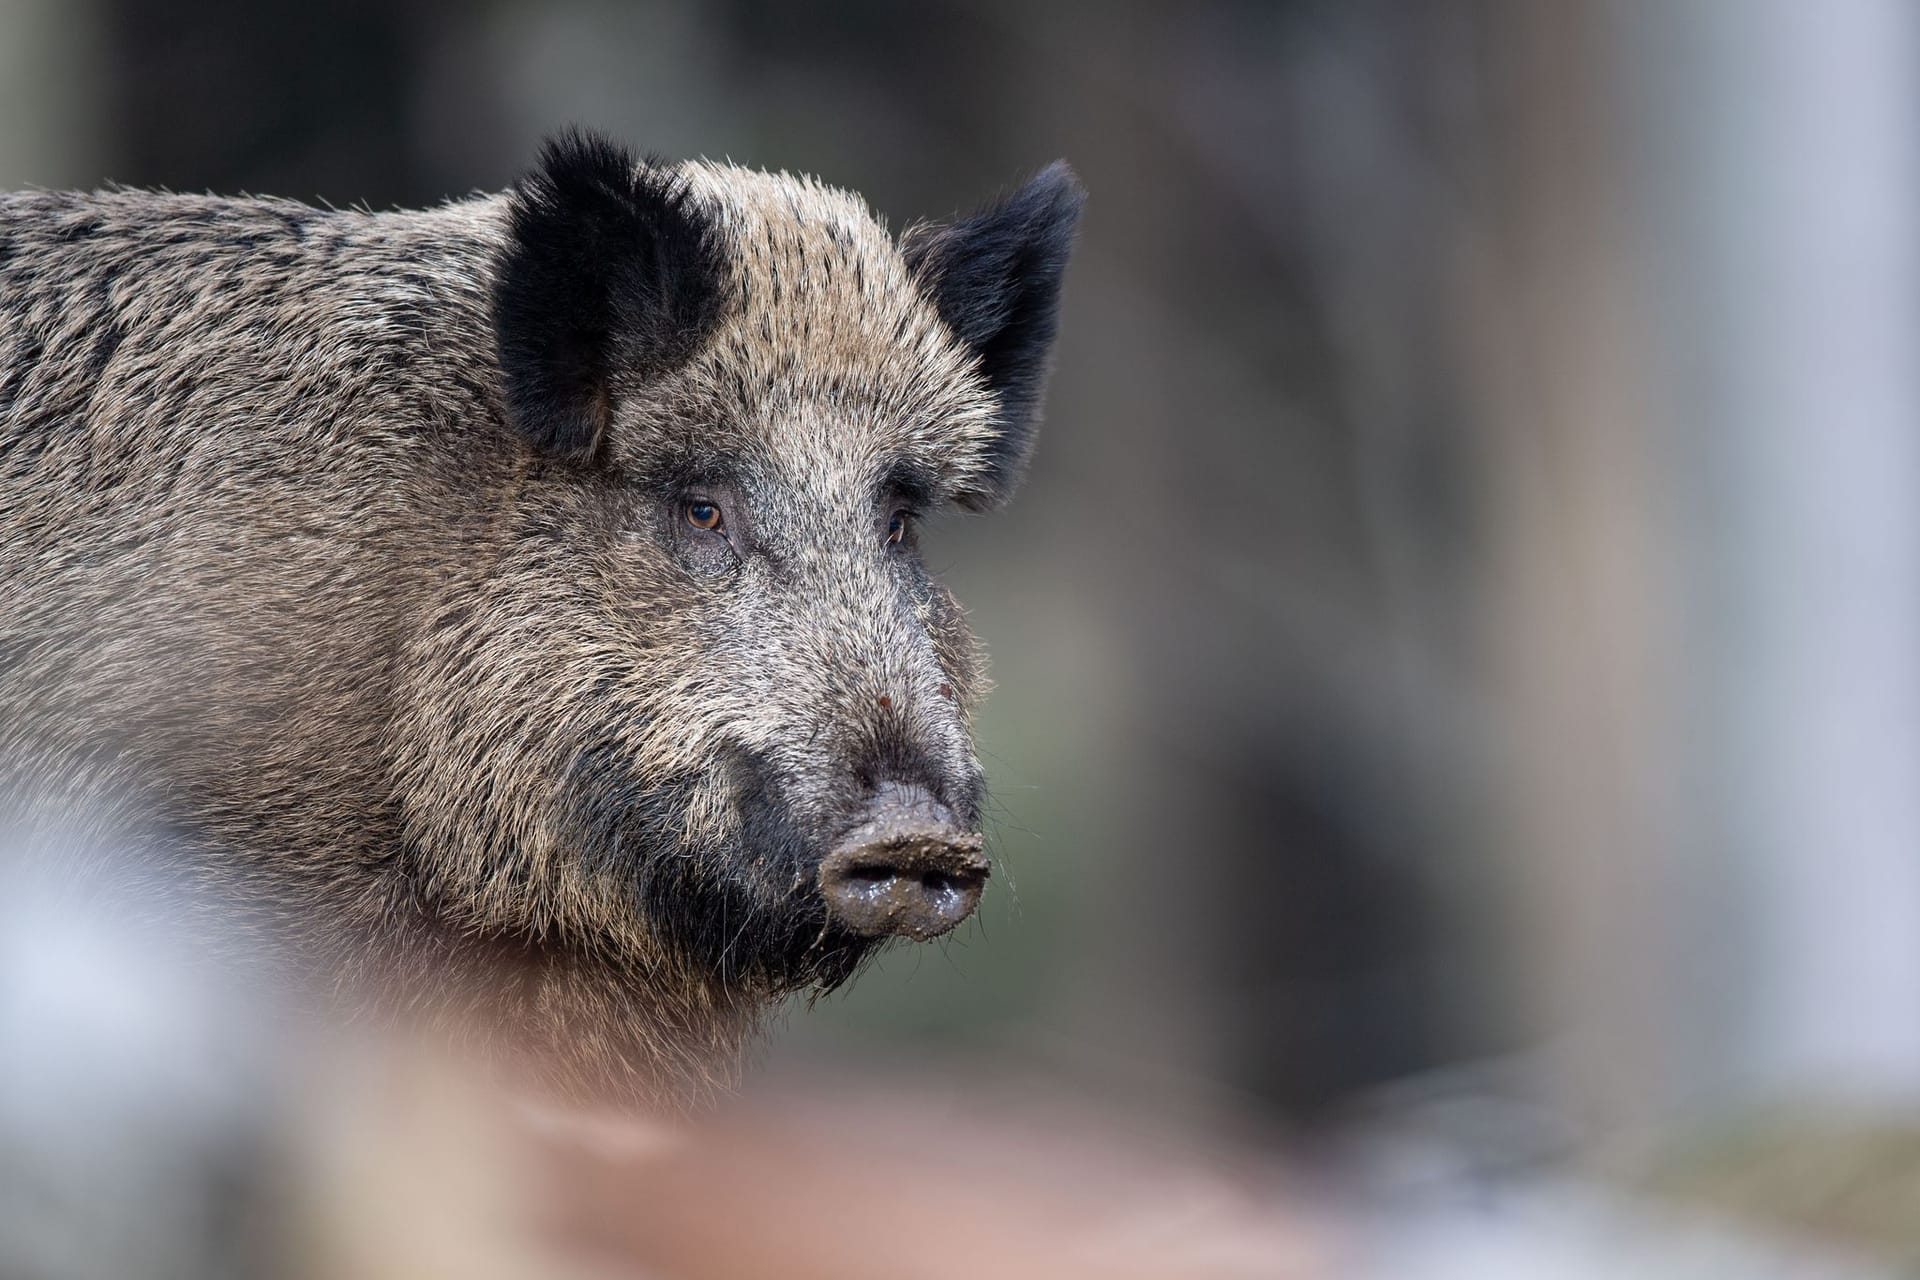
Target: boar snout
(907,868)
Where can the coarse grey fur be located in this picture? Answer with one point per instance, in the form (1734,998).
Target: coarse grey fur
(472,726)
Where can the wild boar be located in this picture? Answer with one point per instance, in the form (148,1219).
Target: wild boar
(515,606)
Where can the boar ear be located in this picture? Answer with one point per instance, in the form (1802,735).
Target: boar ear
(611,274)
(995,279)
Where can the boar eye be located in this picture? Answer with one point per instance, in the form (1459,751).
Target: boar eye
(703,515)
(897,527)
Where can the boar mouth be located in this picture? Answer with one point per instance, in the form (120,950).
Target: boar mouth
(906,870)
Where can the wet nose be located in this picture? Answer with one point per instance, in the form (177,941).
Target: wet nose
(906,869)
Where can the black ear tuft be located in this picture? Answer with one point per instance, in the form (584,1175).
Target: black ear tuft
(995,279)
(611,275)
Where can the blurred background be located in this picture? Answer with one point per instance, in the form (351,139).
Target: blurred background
(1458,651)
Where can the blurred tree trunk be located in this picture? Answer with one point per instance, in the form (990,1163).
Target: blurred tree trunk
(1580,661)
(1784,198)
(51,118)
(1707,626)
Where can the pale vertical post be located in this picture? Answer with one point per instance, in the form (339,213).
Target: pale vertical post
(1781,150)
(52,106)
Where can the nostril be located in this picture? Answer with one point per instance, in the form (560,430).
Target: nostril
(906,870)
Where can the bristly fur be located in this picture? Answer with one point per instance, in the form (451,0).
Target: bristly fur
(352,547)
(995,279)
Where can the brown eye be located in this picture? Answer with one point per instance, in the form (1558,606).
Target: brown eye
(896,527)
(703,515)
